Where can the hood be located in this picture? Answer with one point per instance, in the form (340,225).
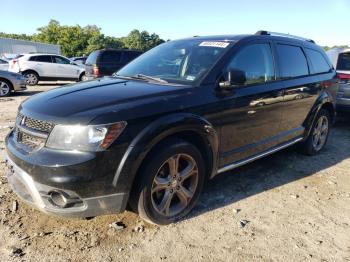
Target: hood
(83,102)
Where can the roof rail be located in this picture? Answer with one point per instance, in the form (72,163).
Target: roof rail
(262,32)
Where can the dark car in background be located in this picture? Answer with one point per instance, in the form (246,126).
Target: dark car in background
(108,61)
(185,111)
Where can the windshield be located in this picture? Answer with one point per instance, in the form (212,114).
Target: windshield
(183,61)
(344,61)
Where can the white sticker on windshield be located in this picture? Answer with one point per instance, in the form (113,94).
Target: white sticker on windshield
(215,44)
(190,78)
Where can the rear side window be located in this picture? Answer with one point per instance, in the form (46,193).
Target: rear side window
(319,63)
(343,61)
(128,56)
(92,58)
(44,59)
(256,62)
(32,58)
(292,61)
(111,56)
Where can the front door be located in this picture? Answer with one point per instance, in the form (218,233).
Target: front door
(64,68)
(250,121)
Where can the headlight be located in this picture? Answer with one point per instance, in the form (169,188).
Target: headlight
(84,138)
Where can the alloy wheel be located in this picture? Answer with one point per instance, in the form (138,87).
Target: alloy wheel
(320,133)
(31,79)
(174,185)
(4,88)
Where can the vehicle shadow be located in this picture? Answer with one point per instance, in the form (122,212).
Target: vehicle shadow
(54,83)
(26,93)
(273,171)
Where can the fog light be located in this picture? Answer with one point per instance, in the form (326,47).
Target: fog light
(59,199)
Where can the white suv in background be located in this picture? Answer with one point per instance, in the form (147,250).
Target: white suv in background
(46,67)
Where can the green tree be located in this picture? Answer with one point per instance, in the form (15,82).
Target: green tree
(76,40)
(16,36)
(141,40)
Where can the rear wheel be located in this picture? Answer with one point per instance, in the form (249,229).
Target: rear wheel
(32,78)
(170,183)
(5,88)
(319,134)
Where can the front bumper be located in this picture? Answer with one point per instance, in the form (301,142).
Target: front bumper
(39,196)
(19,84)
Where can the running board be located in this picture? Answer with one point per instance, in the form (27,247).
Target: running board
(256,157)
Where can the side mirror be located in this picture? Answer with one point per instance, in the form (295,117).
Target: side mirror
(233,78)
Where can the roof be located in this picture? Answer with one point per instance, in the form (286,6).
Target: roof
(258,35)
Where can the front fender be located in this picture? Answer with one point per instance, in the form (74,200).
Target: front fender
(155,132)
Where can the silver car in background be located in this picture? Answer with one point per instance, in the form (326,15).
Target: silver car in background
(11,82)
(340,58)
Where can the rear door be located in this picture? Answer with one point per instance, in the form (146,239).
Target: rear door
(43,65)
(65,69)
(302,88)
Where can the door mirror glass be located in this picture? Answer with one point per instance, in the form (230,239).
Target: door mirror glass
(233,78)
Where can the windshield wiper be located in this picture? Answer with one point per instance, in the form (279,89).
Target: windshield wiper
(143,77)
(146,77)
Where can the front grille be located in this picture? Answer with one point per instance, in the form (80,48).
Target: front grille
(32,142)
(29,141)
(35,124)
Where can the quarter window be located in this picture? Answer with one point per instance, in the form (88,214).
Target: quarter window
(256,62)
(43,59)
(319,63)
(292,61)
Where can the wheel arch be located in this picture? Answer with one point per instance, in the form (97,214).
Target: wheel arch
(30,70)
(325,101)
(188,127)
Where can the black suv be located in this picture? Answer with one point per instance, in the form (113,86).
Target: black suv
(177,115)
(108,61)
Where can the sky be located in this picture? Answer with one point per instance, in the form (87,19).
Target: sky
(325,21)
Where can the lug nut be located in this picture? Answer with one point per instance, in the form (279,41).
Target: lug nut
(178,188)
(171,191)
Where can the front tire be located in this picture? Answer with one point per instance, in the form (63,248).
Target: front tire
(32,78)
(169,183)
(82,77)
(319,134)
(5,88)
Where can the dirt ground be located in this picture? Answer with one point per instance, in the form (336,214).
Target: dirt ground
(286,207)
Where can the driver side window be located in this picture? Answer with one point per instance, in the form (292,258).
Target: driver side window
(256,62)
(61,60)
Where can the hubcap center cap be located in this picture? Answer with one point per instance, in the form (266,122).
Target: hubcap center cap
(174,183)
